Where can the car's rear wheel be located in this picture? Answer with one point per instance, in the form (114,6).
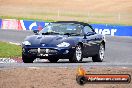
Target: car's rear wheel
(100,56)
(53,60)
(27,59)
(77,57)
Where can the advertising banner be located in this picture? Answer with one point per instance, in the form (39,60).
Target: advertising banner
(9,24)
(113,30)
(32,25)
(105,29)
(0,23)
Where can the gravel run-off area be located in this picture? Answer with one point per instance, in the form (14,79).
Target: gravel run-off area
(40,77)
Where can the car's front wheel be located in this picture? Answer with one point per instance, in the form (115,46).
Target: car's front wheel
(77,57)
(27,59)
(100,56)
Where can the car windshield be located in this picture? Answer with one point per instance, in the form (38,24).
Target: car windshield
(62,28)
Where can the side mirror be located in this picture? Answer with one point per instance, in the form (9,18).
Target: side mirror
(35,31)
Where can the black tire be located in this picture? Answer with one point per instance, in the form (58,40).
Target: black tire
(76,58)
(26,59)
(53,60)
(81,80)
(100,56)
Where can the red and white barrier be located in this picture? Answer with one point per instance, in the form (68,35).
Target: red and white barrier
(9,24)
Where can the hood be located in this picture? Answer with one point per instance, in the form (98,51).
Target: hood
(46,40)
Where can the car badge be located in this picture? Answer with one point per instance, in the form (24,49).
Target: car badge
(43,44)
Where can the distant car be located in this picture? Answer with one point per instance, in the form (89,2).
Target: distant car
(64,40)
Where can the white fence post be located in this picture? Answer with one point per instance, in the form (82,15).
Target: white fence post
(119,17)
(58,13)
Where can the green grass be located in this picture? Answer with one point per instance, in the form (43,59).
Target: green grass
(9,50)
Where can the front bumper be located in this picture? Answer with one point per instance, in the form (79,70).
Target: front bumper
(49,52)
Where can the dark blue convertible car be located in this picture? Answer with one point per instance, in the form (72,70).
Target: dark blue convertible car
(64,40)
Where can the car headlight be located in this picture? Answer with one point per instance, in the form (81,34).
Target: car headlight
(26,43)
(63,44)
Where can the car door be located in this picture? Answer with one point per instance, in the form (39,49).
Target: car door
(90,43)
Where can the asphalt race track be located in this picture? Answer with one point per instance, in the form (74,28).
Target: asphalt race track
(118,52)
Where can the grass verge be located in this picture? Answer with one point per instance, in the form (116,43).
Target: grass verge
(26,18)
(53,19)
(9,50)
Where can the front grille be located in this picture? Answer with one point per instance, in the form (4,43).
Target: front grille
(48,51)
(52,51)
(42,50)
(33,50)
